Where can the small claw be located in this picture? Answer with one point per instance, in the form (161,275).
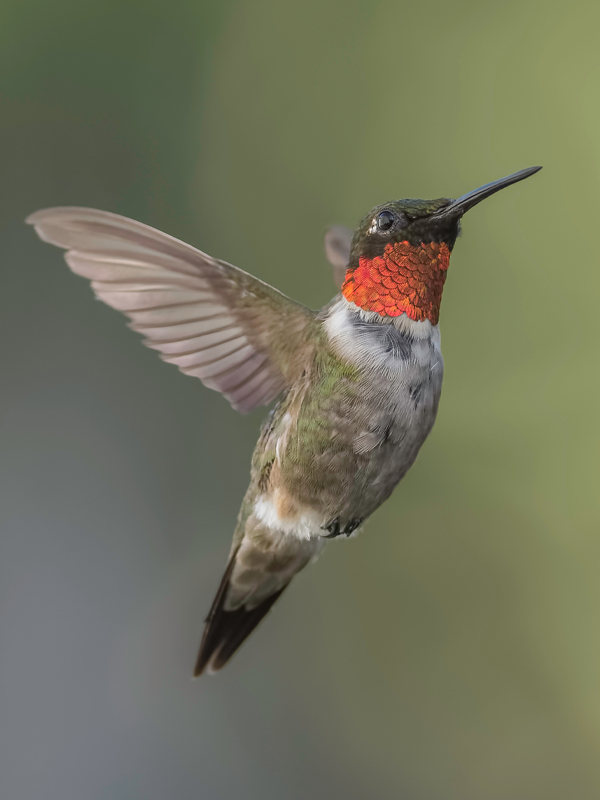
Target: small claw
(333,528)
(352,526)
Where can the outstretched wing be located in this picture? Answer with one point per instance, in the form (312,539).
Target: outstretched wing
(237,334)
(338,240)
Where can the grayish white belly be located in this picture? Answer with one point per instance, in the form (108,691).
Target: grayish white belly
(402,366)
(343,449)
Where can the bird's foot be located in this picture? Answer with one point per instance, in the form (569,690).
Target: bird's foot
(335,530)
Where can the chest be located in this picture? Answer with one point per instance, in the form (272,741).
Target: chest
(392,356)
(399,368)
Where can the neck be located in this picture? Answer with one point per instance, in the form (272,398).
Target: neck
(383,344)
(404,279)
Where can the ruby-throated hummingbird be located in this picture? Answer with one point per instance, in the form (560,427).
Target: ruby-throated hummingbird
(358,383)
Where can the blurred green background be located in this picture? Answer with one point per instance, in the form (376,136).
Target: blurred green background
(452,651)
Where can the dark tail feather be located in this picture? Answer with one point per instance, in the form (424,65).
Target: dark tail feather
(225,631)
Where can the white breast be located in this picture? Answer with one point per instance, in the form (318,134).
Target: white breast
(387,345)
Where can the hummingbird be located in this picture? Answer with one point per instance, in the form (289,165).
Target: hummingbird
(357,383)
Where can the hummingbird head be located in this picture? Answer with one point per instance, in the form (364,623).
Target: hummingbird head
(401,251)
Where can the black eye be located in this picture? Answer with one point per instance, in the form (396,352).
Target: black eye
(385,220)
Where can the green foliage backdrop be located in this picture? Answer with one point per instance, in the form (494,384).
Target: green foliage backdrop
(452,651)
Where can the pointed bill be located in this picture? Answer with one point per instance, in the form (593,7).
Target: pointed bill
(467,201)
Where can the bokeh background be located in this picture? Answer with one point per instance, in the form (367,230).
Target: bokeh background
(452,651)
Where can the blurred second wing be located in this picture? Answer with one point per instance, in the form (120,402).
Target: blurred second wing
(338,240)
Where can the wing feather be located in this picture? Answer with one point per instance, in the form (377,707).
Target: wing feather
(239,335)
(338,243)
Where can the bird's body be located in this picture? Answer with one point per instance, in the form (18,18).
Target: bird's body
(335,446)
(346,433)
(358,382)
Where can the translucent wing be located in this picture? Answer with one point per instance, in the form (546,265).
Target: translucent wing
(338,240)
(237,334)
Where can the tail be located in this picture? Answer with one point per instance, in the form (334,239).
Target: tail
(225,631)
(259,570)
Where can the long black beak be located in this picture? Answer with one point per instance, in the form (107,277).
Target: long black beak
(463,204)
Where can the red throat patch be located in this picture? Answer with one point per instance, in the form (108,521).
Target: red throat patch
(405,279)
